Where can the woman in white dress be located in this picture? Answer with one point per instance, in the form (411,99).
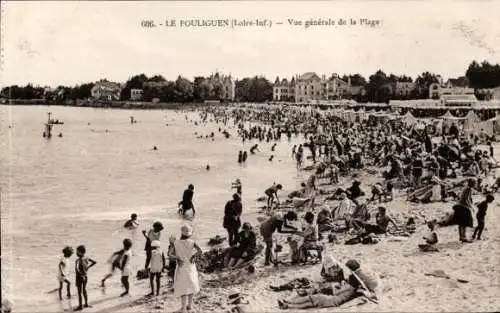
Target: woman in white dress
(186,282)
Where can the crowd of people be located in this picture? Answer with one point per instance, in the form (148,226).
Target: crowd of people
(454,167)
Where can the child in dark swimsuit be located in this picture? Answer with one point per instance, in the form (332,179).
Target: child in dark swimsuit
(271,193)
(481,214)
(82,264)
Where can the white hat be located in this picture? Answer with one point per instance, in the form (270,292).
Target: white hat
(155,244)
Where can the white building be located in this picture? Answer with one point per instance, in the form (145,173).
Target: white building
(106,90)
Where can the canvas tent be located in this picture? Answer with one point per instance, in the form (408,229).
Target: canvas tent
(408,118)
(471,122)
(489,127)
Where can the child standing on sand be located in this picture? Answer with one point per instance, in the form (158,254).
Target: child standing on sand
(126,265)
(157,265)
(62,274)
(481,214)
(82,265)
(186,282)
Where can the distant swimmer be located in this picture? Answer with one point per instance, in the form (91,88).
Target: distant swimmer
(107,130)
(245,156)
(240,157)
(60,135)
(208,167)
(254,148)
(273,147)
(155,148)
(271,158)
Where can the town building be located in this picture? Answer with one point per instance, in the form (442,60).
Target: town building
(106,90)
(488,94)
(437,90)
(452,95)
(226,84)
(310,87)
(404,89)
(284,90)
(136,94)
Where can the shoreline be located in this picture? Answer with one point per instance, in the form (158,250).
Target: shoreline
(125,105)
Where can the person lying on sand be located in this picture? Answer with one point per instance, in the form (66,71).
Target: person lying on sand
(359,283)
(331,273)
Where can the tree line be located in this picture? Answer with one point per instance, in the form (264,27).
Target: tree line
(379,87)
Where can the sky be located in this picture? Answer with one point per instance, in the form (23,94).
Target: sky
(68,43)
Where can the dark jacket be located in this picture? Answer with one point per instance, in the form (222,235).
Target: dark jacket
(232,213)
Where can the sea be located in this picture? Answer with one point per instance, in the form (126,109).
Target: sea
(79,189)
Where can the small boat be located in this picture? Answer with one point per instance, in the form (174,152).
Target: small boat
(56,122)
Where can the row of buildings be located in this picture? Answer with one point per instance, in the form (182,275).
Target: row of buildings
(106,90)
(310,87)
(306,88)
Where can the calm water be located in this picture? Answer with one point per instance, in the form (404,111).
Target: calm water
(80,189)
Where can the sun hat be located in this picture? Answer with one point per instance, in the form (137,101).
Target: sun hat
(155,244)
(186,230)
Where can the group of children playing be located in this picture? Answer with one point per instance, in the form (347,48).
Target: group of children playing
(181,254)
(119,260)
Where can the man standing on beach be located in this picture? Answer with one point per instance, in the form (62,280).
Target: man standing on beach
(232,222)
(277,222)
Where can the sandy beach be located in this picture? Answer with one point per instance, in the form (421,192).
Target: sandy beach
(472,282)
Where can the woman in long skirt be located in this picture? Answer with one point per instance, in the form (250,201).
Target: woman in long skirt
(186,282)
(462,211)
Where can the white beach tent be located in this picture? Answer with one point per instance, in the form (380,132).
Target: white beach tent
(408,118)
(471,122)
